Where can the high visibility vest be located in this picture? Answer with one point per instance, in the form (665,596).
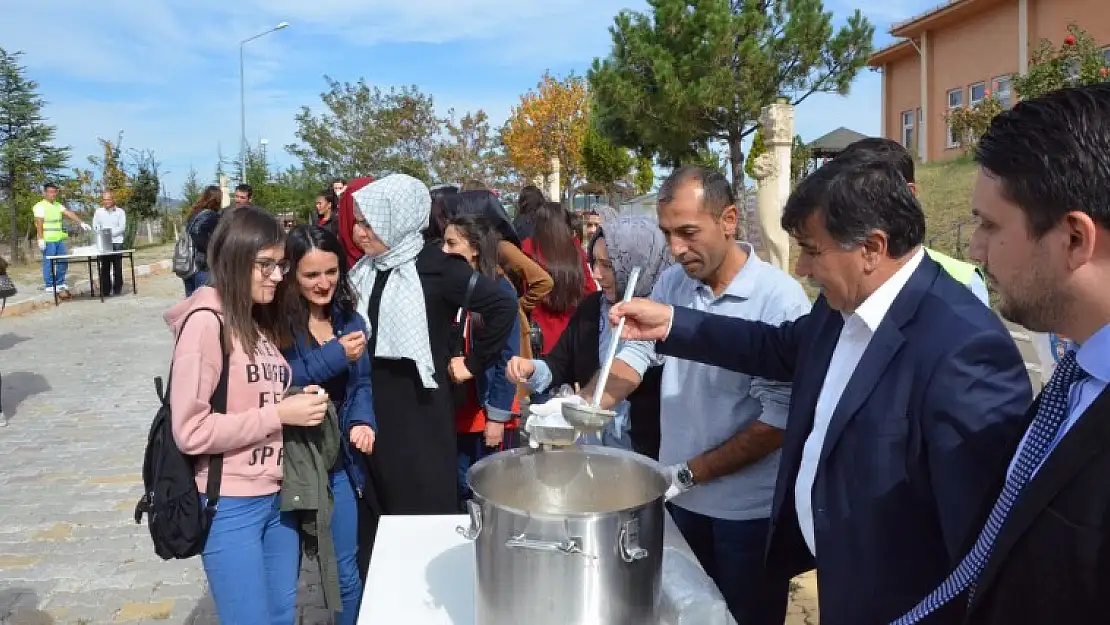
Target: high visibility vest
(52,230)
(962,271)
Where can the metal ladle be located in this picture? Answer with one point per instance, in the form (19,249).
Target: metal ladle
(592,417)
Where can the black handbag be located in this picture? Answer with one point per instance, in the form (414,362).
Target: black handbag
(7,287)
(458,343)
(535,338)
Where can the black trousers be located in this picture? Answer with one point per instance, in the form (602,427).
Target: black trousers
(111,272)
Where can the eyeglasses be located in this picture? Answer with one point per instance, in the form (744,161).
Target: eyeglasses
(267,266)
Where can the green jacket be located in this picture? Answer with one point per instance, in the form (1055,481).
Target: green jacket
(307,459)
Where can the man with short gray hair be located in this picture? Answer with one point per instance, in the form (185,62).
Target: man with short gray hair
(720,431)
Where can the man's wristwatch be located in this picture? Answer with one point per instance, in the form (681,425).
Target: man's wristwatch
(685,476)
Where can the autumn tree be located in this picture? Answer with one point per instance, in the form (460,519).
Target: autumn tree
(365,130)
(469,151)
(689,74)
(28,156)
(550,122)
(1079,60)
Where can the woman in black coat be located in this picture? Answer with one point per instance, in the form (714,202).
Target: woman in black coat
(409,293)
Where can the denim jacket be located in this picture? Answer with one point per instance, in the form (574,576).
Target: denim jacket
(495,392)
(316,365)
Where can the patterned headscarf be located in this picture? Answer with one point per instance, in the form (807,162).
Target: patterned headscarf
(397,208)
(636,241)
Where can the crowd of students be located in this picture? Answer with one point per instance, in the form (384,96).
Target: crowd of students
(424,317)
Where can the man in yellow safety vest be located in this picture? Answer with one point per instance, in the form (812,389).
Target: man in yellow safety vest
(891,151)
(52,237)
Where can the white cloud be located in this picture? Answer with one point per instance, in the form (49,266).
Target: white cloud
(166,72)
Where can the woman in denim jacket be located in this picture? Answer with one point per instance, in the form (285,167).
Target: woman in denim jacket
(324,340)
(485,406)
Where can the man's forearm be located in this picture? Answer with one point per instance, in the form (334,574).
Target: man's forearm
(623,379)
(746,447)
(38,228)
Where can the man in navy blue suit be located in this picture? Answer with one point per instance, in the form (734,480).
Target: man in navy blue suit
(907,394)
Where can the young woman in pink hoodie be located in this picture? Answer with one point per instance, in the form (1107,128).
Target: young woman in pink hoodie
(252,553)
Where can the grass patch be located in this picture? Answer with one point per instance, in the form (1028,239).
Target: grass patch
(944,189)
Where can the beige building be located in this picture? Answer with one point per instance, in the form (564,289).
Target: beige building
(952,55)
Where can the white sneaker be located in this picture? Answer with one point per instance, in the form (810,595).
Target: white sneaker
(63,287)
(3,420)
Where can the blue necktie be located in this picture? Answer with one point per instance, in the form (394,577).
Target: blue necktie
(1051,414)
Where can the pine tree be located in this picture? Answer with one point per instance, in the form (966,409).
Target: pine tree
(190,190)
(685,75)
(27,154)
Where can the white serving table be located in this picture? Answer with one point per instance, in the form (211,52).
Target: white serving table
(423,572)
(89,255)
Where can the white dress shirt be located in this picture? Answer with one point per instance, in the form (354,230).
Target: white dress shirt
(113,219)
(855,336)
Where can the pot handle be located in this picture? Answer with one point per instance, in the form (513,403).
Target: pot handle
(569,546)
(471,533)
(628,544)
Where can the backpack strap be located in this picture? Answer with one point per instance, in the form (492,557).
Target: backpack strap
(218,403)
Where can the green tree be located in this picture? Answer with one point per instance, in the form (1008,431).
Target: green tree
(645,174)
(27,154)
(469,151)
(367,131)
(142,204)
(1079,60)
(759,146)
(688,74)
(603,162)
(801,159)
(190,190)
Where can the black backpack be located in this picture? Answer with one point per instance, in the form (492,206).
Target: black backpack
(185,254)
(177,521)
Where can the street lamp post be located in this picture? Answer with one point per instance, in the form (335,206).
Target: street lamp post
(243,101)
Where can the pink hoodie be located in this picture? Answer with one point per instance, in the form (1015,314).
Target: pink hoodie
(249,435)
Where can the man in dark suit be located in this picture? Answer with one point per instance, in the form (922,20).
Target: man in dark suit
(907,392)
(1041,555)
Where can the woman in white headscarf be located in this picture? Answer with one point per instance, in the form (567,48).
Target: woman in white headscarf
(410,293)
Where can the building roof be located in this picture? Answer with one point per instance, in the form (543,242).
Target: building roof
(834,143)
(939,16)
(892,52)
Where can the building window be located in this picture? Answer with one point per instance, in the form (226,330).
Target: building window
(1003,91)
(907,129)
(955,101)
(977,93)
(920,143)
(1106,56)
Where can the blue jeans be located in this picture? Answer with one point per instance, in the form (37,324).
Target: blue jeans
(252,559)
(471,448)
(54,248)
(732,553)
(344,533)
(198,280)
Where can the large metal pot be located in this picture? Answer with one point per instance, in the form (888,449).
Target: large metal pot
(104,240)
(571,535)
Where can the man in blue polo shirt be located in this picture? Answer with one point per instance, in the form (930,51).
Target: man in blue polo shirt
(720,431)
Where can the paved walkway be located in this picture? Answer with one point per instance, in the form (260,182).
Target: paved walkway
(80,400)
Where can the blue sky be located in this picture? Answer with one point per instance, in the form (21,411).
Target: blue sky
(166,72)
